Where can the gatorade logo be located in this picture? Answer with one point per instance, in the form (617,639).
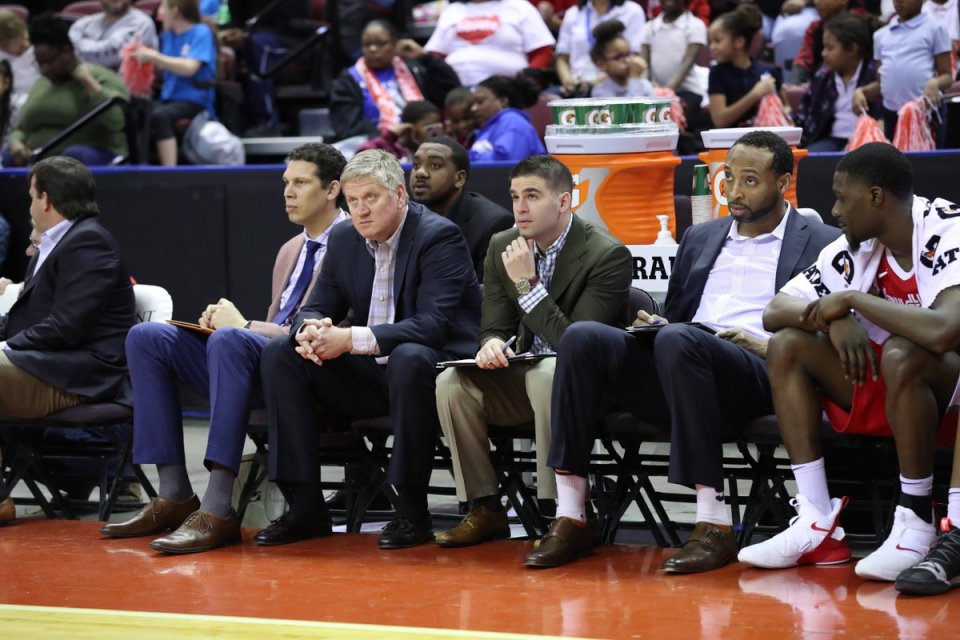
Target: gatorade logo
(575,198)
(568,117)
(595,117)
(719,192)
(650,116)
(664,114)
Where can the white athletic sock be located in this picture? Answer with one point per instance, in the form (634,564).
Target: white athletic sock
(917,487)
(953,506)
(571,496)
(711,506)
(812,484)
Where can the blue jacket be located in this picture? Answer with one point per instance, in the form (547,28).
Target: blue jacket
(507,136)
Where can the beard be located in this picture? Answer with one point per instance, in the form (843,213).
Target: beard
(759,213)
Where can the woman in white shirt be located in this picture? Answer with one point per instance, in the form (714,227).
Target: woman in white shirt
(484,38)
(574,66)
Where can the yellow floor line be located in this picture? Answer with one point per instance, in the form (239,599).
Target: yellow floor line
(25,621)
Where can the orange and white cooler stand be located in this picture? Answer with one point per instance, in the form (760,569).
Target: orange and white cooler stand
(621,182)
(718,143)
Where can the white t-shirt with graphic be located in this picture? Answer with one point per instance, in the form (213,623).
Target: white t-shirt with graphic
(483,39)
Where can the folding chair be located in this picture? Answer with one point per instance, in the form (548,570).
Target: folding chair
(27,455)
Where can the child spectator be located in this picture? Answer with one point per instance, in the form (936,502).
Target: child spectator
(576,65)
(459,122)
(826,113)
(671,43)
(505,132)
(611,54)
(188,59)
(737,83)
(483,38)
(419,122)
(913,60)
(808,60)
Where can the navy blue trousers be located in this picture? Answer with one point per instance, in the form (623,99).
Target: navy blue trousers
(705,388)
(225,366)
(301,397)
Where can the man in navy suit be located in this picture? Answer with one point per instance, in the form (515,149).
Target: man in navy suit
(61,344)
(704,385)
(407,275)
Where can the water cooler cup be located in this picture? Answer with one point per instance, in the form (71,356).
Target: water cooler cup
(718,143)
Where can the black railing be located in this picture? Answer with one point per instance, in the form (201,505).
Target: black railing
(43,150)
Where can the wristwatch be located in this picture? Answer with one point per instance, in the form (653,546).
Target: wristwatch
(524,285)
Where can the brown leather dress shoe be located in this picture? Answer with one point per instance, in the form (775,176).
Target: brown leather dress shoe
(566,540)
(158,516)
(201,531)
(8,512)
(709,547)
(480,525)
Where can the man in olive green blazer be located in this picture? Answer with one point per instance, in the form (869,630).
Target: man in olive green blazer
(548,272)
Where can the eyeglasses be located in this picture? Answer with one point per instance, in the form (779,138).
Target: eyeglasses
(376,44)
(618,58)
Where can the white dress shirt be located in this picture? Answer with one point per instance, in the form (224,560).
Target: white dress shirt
(742,281)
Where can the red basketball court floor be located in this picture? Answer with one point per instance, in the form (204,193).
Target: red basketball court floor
(344,587)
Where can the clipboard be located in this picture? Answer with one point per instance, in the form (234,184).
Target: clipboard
(649,331)
(468,363)
(191,326)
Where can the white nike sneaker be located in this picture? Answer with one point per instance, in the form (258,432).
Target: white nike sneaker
(909,541)
(811,538)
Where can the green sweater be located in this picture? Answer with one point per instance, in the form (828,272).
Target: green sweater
(50,108)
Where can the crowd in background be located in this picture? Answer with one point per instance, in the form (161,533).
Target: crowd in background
(818,64)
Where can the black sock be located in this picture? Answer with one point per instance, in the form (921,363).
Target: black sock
(412,504)
(491,503)
(920,505)
(305,500)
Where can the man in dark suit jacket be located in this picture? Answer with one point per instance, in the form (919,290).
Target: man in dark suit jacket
(163,357)
(705,385)
(440,171)
(406,274)
(549,272)
(62,341)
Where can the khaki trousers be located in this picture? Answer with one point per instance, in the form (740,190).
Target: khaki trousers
(25,396)
(470,399)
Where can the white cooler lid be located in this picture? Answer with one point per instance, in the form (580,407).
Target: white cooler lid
(612,143)
(725,138)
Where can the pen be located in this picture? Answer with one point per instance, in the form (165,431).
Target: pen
(508,343)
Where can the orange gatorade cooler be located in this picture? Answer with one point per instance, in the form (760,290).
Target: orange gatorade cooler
(622,173)
(718,143)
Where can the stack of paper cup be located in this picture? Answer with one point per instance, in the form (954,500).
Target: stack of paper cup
(701,200)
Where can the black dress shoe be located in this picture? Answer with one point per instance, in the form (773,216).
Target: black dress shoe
(292,528)
(401,533)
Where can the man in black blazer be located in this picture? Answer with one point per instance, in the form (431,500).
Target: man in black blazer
(62,341)
(406,274)
(439,173)
(706,386)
